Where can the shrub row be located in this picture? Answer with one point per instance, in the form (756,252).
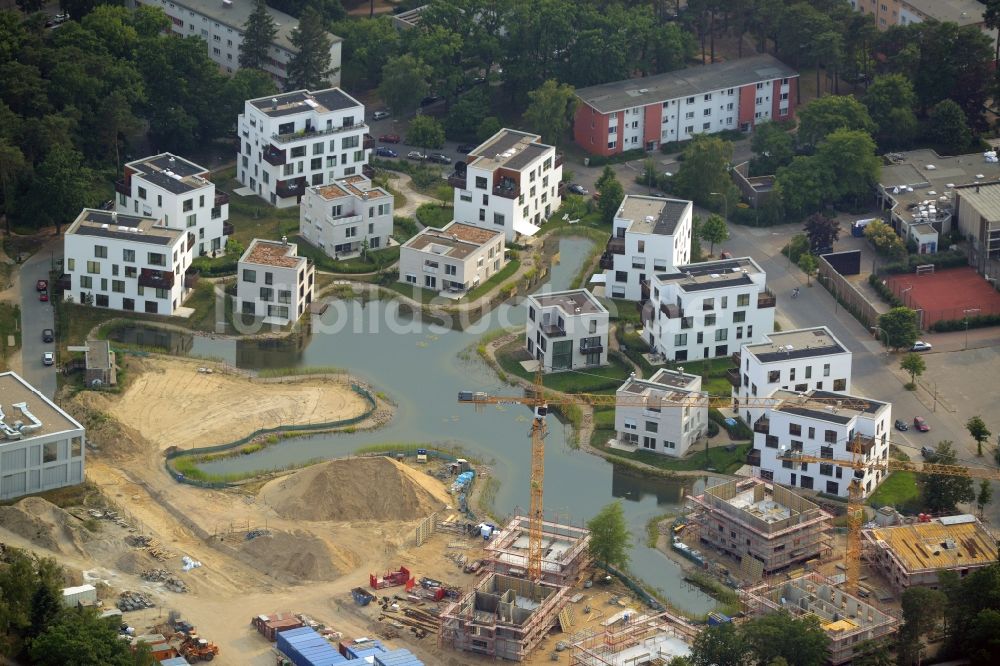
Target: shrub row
(979,321)
(739,431)
(628,155)
(884,292)
(948,259)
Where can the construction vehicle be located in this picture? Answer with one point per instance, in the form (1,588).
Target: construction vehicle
(194,648)
(539,400)
(390,579)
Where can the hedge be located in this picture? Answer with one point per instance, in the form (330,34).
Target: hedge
(627,156)
(217,267)
(679,146)
(739,431)
(884,292)
(979,321)
(948,259)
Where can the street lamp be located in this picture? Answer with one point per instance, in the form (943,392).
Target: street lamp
(885,336)
(967,313)
(725,204)
(902,294)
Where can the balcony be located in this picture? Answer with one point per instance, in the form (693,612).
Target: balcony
(753,457)
(191,240)
(228,229)
(671,311)
(615,246)
(156,279)
(591,348)
(558,161)
(733,375)
(553,330)
(312,132)
(763,426)
(367,171)
(368,143)
(275,156)
(507,190)
(766,299)
(736,359)
(191,276)
(221,198)
(561,189)
(457,180)
(293,187)
(121,187)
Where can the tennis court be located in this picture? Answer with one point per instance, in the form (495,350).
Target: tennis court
(946,294)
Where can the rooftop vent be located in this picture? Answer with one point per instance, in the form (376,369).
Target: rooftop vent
(227,3)
(274,102)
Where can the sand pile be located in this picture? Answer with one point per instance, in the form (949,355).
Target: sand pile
(293,556)
(356,489)
(45,525)
(137,561)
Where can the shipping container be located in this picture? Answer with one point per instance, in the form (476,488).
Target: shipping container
(72,596)
(400,657)
(304,647)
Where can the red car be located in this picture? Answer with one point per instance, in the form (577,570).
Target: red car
(389,138)
(42,285)
(43,295)
(920,424)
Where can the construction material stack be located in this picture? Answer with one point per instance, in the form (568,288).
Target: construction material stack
(304,647)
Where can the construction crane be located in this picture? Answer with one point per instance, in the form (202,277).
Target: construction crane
(855,496)
(539,400)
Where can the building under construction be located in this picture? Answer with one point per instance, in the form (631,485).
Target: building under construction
(564,551)
(503,617)
(633,639)
(914,554)
(845,619)
(768,528)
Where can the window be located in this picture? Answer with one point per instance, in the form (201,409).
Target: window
(316,163)
(708,304)
(652,426)
(298,151)
(630,424)
(284,296)
(268,277)
(794,429)
(450,269)
(710,320)
(812,431)
(101,251)
(739,316)
(773,376)
(531,313)
(71,264)
(680,339)
(721,334)
(839,384)
(648,442)
(809,372)
(249,275)
(498,219)
(771,441)
(742,300)
(830,436)
(826,369)
(128,304)
(832,487)
(826,469)
(118,286)
(266,294)
(50,451)
(621,276)
(142,193)
(86,282)
(156,259)
(94,267)
(480,183)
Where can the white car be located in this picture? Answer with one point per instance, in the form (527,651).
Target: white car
(380,115)
(920,346)
(48,358)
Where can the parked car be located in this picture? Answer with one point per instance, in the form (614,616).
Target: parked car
(901,425)
(382,151)
(42,285)
(466,148)
(43,295)
(416,155)
(48,358)
(920,346)
(430,99)
(929,454)
(380,115)
(389,138)
(725,255)
(440,158)
(47,335)
(578,189)
(920,424)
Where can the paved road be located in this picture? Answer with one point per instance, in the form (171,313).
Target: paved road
(35,316)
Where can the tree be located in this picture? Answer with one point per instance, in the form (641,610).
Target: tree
(873,652)
(991,19)
(704,170)
(899,326)
(713,230)
(368,45)
(922,609)
(948,128)
(612,194)
(891,102)
(805,186)
(913,364)
(884,239)
(849,160)
(404,83)
(465,115)
(823,116)
(258,34)
(822,232)
(488,127)
(310,66)
(426,132)
(721,645)
(979,432)
(30,6)
(61,183)
(985,496)
(695,253)
(773,147)
(941,493)
(807,264)
(79,636)
(550,111)
(12,166)
(797,246)
(610,539)
(440,49)
(799,641)
(45,606)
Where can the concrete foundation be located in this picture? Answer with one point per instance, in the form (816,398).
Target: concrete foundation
(564,551)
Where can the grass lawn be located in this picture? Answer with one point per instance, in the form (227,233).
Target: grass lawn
(10,324)
(412,291)
(718,458)
(624,312)
(713,374)
(435,215)
(427,295)
(497,278)
(324,262)
(899,490)
(587,380)
(251,216)
(634,347)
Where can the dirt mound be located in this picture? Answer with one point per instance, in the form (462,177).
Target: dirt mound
(45,525)
(292,556)
(137,561)
(355,489)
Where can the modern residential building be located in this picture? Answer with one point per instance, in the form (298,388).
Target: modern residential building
(649,235)
(977,216)
(663,425)
(916,554)
(888,13)
(799,360)
(273,282)
(747,518)
(708,309)
(511,183)
(453,259)
(130,263)
(179,193)
(220,24)
(42,447)
(567,330)
(831,428)
(300,138)
(647,112)
(343,216)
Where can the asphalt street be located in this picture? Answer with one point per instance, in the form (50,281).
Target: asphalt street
(36,315)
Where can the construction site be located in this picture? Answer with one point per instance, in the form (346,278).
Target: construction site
(564,551)
(844,618)
(630,638)
(767,527)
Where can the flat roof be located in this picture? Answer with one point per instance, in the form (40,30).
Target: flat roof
(508,148)
(850,406)
(662,384)
(573,302)
(921,182)
(236,14)
(713,274)
(14,390)
(687,82)
(108,224)
(455,240)
(272,253)
(172,173)
(652,215)
(352,186)
(933,545)
(962,12)
(300,101)
(799,343)
(98,354)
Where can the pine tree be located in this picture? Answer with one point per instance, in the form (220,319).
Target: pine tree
(258,34)
(310,66)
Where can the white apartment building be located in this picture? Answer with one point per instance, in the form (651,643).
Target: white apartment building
(129,263)
(453,259)
(301,138)
(41,446)
(664,424)
(828,429)
(708,309)
(339,218)
(567,330)
(274,283)
(800,360)
(178,192)
(649,235)
(220,23)
(511,184)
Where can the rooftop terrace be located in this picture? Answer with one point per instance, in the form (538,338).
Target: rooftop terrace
(174,174)
(21,402)
(301,101)
(271,253)
(798,343)
(507,148)
(108,224)
(652,215)
(573,302)
(455,240)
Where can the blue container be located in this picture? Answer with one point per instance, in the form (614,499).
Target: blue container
(354,650)
(304,647)
(400,657)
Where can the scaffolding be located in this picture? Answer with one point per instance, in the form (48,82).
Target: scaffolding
(503,617)
(844,618)
(632,640)
(564,551)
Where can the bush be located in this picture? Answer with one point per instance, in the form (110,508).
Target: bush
(435,215)
(628,155)
(209,267)
(884,292)
(947,259)
(979,321)
(404,228)
(713,428)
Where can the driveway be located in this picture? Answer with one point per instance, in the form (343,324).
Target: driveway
(35,316)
